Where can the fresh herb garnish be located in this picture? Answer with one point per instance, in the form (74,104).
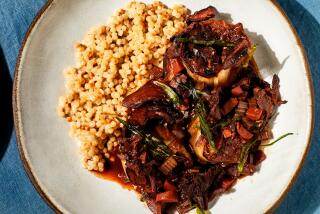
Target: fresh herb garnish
(204,127)
(244,154)
(155,145)
(201,113)
(278,139)
(218,42)
(182,39)
(246,148)
(169,91)
(199,108)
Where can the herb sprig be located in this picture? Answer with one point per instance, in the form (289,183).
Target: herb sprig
(278,139)
(201,113)
(244,154)
(155,145)
(247,147)
(205,129)
(169,91)
(216,42)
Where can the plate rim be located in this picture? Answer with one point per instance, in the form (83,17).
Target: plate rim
(45,196)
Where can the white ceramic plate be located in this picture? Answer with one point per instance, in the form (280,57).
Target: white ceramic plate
(51,157)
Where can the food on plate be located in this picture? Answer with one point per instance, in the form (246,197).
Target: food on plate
(173,99)
(113,61)
(199,123)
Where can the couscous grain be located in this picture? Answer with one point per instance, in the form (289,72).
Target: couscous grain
(112,62)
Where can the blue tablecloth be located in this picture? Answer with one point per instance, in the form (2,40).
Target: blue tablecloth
(17,195)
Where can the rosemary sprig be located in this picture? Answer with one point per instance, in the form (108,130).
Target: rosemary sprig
(244,154)
(201,113)
(216,42)
(205,129)
(169,91)
(182,39)
(278,139)
(155,145)
(199,108)
(246,148)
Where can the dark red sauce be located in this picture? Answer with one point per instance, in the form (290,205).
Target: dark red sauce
(114,172)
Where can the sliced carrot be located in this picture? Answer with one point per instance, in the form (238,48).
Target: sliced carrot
(227,183)
(243,132)
(254,113)
(229,105)
(237,91)
(167,197)
(227,133)
(169,186)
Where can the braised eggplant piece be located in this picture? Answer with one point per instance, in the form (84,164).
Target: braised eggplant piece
(140,116)
(199,125)
(202,15)
(148,92)
(156,73)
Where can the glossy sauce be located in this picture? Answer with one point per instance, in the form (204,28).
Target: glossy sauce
(115,173)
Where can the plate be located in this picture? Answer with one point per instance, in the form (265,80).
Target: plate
(51,157)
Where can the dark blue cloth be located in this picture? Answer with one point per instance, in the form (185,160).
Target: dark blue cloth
(17,195)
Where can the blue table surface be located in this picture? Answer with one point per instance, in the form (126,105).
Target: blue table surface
(17,195)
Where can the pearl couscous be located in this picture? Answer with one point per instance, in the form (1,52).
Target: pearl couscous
(112,62)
